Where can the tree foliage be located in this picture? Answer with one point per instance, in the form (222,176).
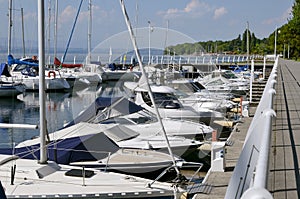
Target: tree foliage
(287,41)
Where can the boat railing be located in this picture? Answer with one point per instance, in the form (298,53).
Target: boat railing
(251,171)
(32,151)
(12,79)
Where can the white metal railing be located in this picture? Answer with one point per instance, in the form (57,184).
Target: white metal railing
(187,59)
(249,179)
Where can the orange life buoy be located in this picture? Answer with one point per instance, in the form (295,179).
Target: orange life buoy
(51,72)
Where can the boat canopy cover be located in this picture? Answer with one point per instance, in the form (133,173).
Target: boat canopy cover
(30,62)
(113,106)
(120,133)
(81,142)
(4,70)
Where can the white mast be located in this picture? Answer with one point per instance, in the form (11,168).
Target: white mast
(110,55)
(149,61)
(144,75)
(41,42)
(89,32)
(136,16)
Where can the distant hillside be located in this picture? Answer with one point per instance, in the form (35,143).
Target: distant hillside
(235,46)
(288,41)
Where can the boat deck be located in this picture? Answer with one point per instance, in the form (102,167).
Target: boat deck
(284,176)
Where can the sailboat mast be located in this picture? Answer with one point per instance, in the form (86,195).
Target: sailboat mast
(49,28)
(144,75)
(9,26)
(41,45)
(55,28)
(23,38)
(89,32)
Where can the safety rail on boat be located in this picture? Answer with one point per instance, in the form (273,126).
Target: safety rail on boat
(82,163)
(18,126)
(249,179)
(34,149)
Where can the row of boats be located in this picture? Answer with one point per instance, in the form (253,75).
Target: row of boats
(18,75)
(120,139)
(22,74)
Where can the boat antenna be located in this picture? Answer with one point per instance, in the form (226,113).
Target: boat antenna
(137,52)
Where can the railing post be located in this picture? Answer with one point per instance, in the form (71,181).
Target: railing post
(251,79)
(264,68)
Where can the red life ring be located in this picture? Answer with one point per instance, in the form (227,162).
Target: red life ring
(51,72)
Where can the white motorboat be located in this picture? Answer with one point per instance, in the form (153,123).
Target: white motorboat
(173,127)
(200,102)
(222,81)
(120,110)
(193,87)
(168,104)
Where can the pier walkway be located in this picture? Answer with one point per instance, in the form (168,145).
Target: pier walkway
(284,176)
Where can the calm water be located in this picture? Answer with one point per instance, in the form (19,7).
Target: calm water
(61,107)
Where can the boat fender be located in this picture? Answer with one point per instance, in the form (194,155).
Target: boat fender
(51,72)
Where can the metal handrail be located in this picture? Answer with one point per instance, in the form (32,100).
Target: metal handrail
(258,136)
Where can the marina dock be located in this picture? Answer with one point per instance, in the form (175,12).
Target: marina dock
(284,177)
(283,174)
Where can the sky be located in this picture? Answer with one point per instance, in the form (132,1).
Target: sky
(201,20)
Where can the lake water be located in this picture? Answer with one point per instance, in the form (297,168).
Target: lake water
(61,107)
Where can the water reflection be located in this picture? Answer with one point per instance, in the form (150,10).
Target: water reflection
(12,111)
(60,109)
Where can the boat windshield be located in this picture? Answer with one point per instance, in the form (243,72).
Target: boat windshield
(229,75)
(188,87)
(27,70)
(162,100)
(21,67)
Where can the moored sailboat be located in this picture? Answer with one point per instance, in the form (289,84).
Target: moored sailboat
(26,69)
(9,87)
